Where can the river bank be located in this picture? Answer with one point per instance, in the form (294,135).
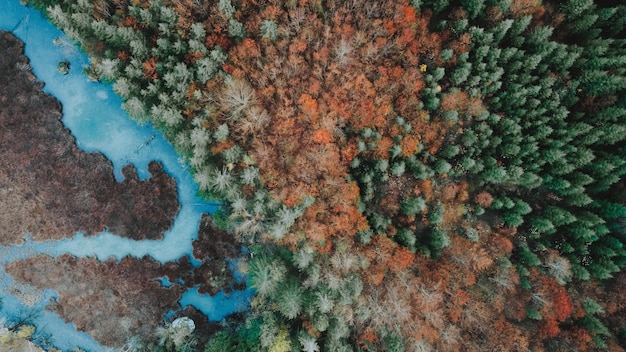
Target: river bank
(51,189)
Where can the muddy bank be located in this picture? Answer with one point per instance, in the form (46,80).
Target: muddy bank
(49,187)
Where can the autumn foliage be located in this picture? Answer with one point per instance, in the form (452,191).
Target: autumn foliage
(347,70)
(426,150)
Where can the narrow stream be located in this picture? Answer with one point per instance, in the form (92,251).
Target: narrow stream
(92,112)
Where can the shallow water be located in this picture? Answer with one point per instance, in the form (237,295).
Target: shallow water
(91,111)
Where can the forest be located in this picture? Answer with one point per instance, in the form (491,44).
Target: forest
(423,175)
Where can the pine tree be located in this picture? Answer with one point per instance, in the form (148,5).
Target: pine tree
(269,29)
(290,299)
(413,206)
(266,274)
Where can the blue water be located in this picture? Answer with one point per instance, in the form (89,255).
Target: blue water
(220,305)
(93,114)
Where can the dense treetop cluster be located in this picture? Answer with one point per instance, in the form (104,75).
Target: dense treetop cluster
(410,176)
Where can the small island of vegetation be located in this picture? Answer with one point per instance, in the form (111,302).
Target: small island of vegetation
(408,175)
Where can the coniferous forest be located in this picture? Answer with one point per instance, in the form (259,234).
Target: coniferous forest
(423,175)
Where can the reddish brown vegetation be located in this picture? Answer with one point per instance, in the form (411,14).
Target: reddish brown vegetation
(149,68)
(456,300)
(323,74)
(109,300)
(519,8)
(461,102)
(114,300)
(484,199)
(52,189)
